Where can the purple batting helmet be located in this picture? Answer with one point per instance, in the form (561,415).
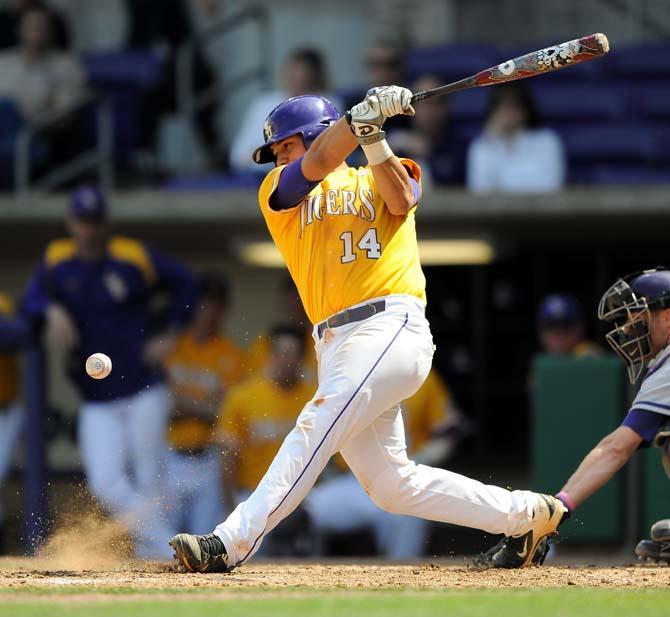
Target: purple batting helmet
(307,115)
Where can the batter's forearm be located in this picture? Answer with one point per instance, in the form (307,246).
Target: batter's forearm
(394,186)
(329,151)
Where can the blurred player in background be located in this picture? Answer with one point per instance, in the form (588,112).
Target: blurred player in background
(203,365)
(434,426)
(637,307)
(561,328)
(13,336)
(290,307)
(349,240)
(257,415)
(92,292)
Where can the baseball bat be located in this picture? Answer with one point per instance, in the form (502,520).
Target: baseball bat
(529,65)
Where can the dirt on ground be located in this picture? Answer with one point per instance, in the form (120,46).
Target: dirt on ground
(18,574)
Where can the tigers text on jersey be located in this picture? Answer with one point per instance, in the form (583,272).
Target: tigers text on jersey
(341,244)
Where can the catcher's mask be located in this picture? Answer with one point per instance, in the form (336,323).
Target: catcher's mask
(627,305)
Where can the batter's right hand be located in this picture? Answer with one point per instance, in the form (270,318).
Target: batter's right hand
(393,100)
(61,331)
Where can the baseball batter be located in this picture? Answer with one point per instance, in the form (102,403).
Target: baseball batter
(349,241)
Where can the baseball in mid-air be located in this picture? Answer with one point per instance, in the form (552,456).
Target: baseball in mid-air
(98,366)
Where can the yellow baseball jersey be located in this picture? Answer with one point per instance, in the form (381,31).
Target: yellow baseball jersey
(258,356)
(198,371)
(255,418)
(587,349)
(9,365)
(341,244)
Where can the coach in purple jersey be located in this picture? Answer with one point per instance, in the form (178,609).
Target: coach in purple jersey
(92,293)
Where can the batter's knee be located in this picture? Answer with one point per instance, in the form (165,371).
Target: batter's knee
(390,491)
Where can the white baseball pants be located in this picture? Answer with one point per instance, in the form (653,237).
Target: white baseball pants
(122,444)
(365,369)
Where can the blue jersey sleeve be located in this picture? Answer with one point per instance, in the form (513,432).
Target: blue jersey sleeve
(181,284)
(645,423)
(37,296)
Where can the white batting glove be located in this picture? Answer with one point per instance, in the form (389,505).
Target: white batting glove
(393,100)
(366,120)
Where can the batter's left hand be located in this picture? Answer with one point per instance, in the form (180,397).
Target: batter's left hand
(393,100)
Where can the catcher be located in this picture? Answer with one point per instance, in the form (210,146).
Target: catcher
(638,308)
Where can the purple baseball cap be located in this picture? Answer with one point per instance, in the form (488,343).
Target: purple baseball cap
(559,310)
(88,203)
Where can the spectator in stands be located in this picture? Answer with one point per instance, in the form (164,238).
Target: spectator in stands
(429,140)
(290,307)
(162,26)
(304,72)
(93,292)
(10,15)
(513,154)
(561,328)
(433,426)
(45,85)
(13,336)
(202,367)
(257,415)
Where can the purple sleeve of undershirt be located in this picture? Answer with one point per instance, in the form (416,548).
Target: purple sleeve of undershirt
(293,187)
(644,423)
(416,190)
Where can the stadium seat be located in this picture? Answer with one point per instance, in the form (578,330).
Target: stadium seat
(578,101)
(469,104)
(215,182)
(648,61)
(629,175)
(626,142)
(125,68)
(652,101)
(452,62)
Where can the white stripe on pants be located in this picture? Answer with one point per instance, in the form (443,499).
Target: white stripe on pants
(365,369)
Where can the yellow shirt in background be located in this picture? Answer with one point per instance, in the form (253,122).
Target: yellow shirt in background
(197,371)
(341,244)
(255,418)
(9,365)
(258,357)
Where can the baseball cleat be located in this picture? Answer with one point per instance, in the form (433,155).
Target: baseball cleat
(200,553)
(660,531)
(521,551)
(485,560)
(656,551)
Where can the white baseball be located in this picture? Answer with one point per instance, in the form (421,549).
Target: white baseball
(98,366)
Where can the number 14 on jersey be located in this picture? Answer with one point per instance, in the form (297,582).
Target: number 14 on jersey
(367,243)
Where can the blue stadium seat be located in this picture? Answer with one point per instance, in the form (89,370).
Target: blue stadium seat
(124,68)
(626,142)
(575,101)
(629,175)
(648,61)
(215,182)
(652,101)
(469,104)
(452,62)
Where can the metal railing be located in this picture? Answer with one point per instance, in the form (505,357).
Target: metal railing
(100,157)
(190,102)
